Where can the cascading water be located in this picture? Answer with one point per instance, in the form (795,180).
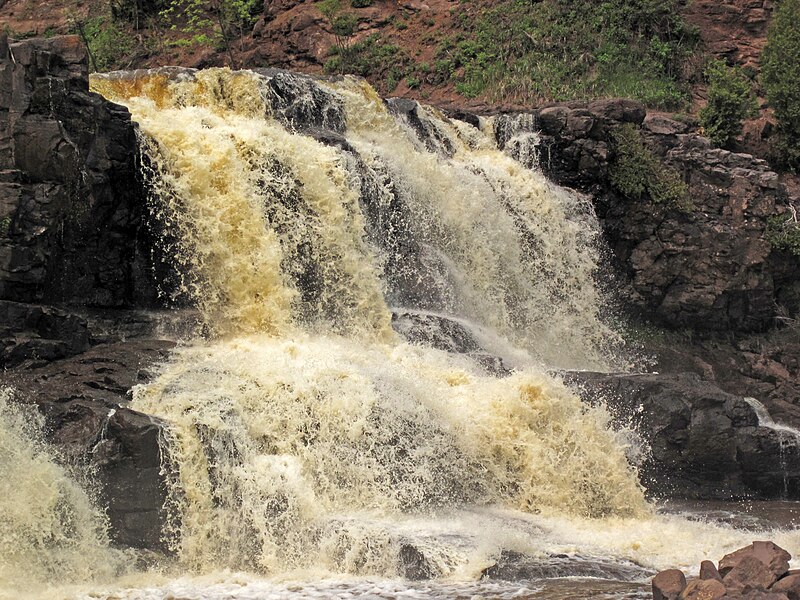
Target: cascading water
(306,219)
(49,529)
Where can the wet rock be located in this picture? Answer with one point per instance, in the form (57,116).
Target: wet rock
(70,200)
(414,565)
(748,573)
(789,586)
(774,558)
(703,442)
(31,332)
(516,566)
(703,589)
(668,585)
(83,400)
(709,267)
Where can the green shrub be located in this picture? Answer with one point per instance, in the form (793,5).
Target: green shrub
(371,57)
(780,74)
(783,233)
(107,44)
(360,3)
(637,172)
(730,101)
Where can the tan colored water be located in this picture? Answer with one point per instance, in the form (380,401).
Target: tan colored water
(319,454)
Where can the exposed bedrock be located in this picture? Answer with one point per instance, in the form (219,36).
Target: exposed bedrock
(703,442)
(709,267)
(70,201)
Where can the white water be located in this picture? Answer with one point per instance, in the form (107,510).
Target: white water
(314,445)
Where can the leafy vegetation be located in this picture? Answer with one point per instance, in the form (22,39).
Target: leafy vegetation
(106,43)
(783,233)
(730,101)
(562,50)
(360,3)
(213,21)
(371,56)
(780,75)
(637,172)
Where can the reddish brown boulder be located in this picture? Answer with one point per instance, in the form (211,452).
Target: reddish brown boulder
(749,573)
(708,571)
(775,558)
(703,589)
(789,585)
(668,585)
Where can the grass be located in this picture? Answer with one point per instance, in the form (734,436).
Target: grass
(526,51)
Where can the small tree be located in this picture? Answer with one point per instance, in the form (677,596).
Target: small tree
(343,26)
(730,101)
(231,17)
(780,74)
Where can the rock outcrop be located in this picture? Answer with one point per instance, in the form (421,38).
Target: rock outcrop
(708,266)
(759,571)
(71,209)
(703,442)
(70,203)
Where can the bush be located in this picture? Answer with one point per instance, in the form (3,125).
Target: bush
(107,44)
(780,74)
(360,3)
(637,172)
(730,101)
(783,233)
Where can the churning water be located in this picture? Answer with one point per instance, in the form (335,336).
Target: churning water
(322,452)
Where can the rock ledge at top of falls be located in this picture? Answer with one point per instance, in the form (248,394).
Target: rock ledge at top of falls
(70,200)
(759,571)
(710,267)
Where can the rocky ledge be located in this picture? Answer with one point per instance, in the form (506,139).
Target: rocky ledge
(759,571)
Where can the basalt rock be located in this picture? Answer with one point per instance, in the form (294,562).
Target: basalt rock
(709,267)
(70,203)
(703,442)
(83,400)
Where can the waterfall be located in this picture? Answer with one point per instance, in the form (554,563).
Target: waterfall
(306,217)
(49,529)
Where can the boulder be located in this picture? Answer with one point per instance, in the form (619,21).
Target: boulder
(775,558)
(668,585)
(703,589)
(789,586)
(748,573)
(708,571)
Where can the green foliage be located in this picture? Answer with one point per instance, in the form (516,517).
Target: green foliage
(5,226)
(344,26)
(783,233)
(360,3)
(730,101)
(637,172)
(212,22)
(107,44)
(371,56)
(559,49)
(780,74)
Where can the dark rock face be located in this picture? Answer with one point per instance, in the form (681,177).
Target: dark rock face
(704,443)
(709,268)
(69,199)
(39,333)
(83,400)
(71,208)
